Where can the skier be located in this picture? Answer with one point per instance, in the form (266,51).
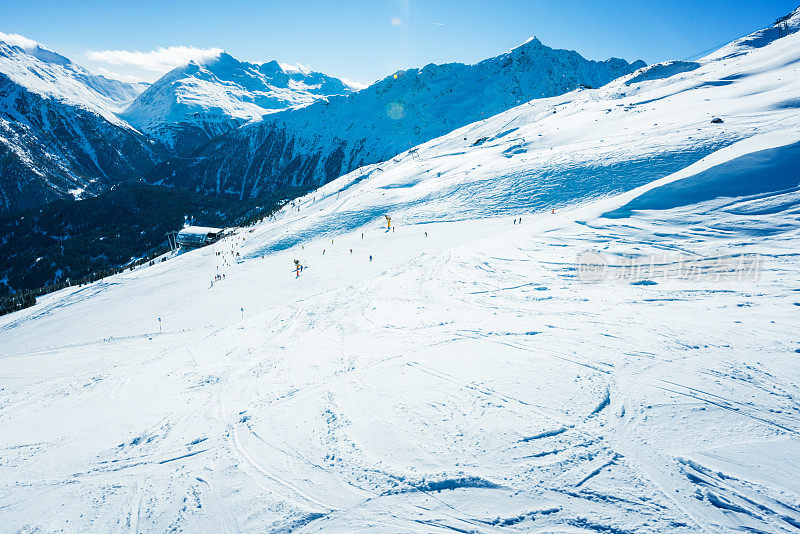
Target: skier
(554,211)
(297,268)
(426,234)
(370,257)
(388,222)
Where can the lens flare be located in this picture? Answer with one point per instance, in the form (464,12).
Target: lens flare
(395,111)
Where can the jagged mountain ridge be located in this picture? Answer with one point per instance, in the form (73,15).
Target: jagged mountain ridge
(64,132)
(196,102)
(306,147)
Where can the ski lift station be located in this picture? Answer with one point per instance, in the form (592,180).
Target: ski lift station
(197,236)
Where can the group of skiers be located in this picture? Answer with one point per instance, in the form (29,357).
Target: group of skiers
(299,266)
(227,257)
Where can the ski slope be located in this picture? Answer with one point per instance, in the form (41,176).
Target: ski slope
(466,377)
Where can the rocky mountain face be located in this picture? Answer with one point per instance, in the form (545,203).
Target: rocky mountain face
(59,134)
(50,149)
(192,104)
(305,147)
(47,73)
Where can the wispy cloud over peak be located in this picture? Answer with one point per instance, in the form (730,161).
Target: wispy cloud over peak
(160,60)
(354,84)
(18,40)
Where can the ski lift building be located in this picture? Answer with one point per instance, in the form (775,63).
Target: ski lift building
(197,236)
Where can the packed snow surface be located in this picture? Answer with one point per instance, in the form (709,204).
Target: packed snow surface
(456,373)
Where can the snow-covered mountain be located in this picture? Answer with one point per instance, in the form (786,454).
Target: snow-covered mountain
(456,374)
(47,73)
(59,134)
(193,103)
(309,146)
(320,129)
(50,149)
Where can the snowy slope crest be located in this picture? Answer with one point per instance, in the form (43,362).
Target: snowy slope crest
(782,27)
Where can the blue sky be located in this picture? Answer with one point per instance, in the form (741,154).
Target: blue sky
(365,40)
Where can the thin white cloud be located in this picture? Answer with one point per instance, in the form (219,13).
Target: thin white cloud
(160,60)
(297,67)
(18,40)
(117,76)
(355,85)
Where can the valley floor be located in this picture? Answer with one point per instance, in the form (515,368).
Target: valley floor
(469,380)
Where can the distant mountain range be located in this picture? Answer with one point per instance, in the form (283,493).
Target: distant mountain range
(304,148)
(247,136)
(243,130)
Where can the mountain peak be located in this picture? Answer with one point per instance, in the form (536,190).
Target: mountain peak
(44,72)
(22,45)
(221,57)
(270,67)
(205,98)
(530,42)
